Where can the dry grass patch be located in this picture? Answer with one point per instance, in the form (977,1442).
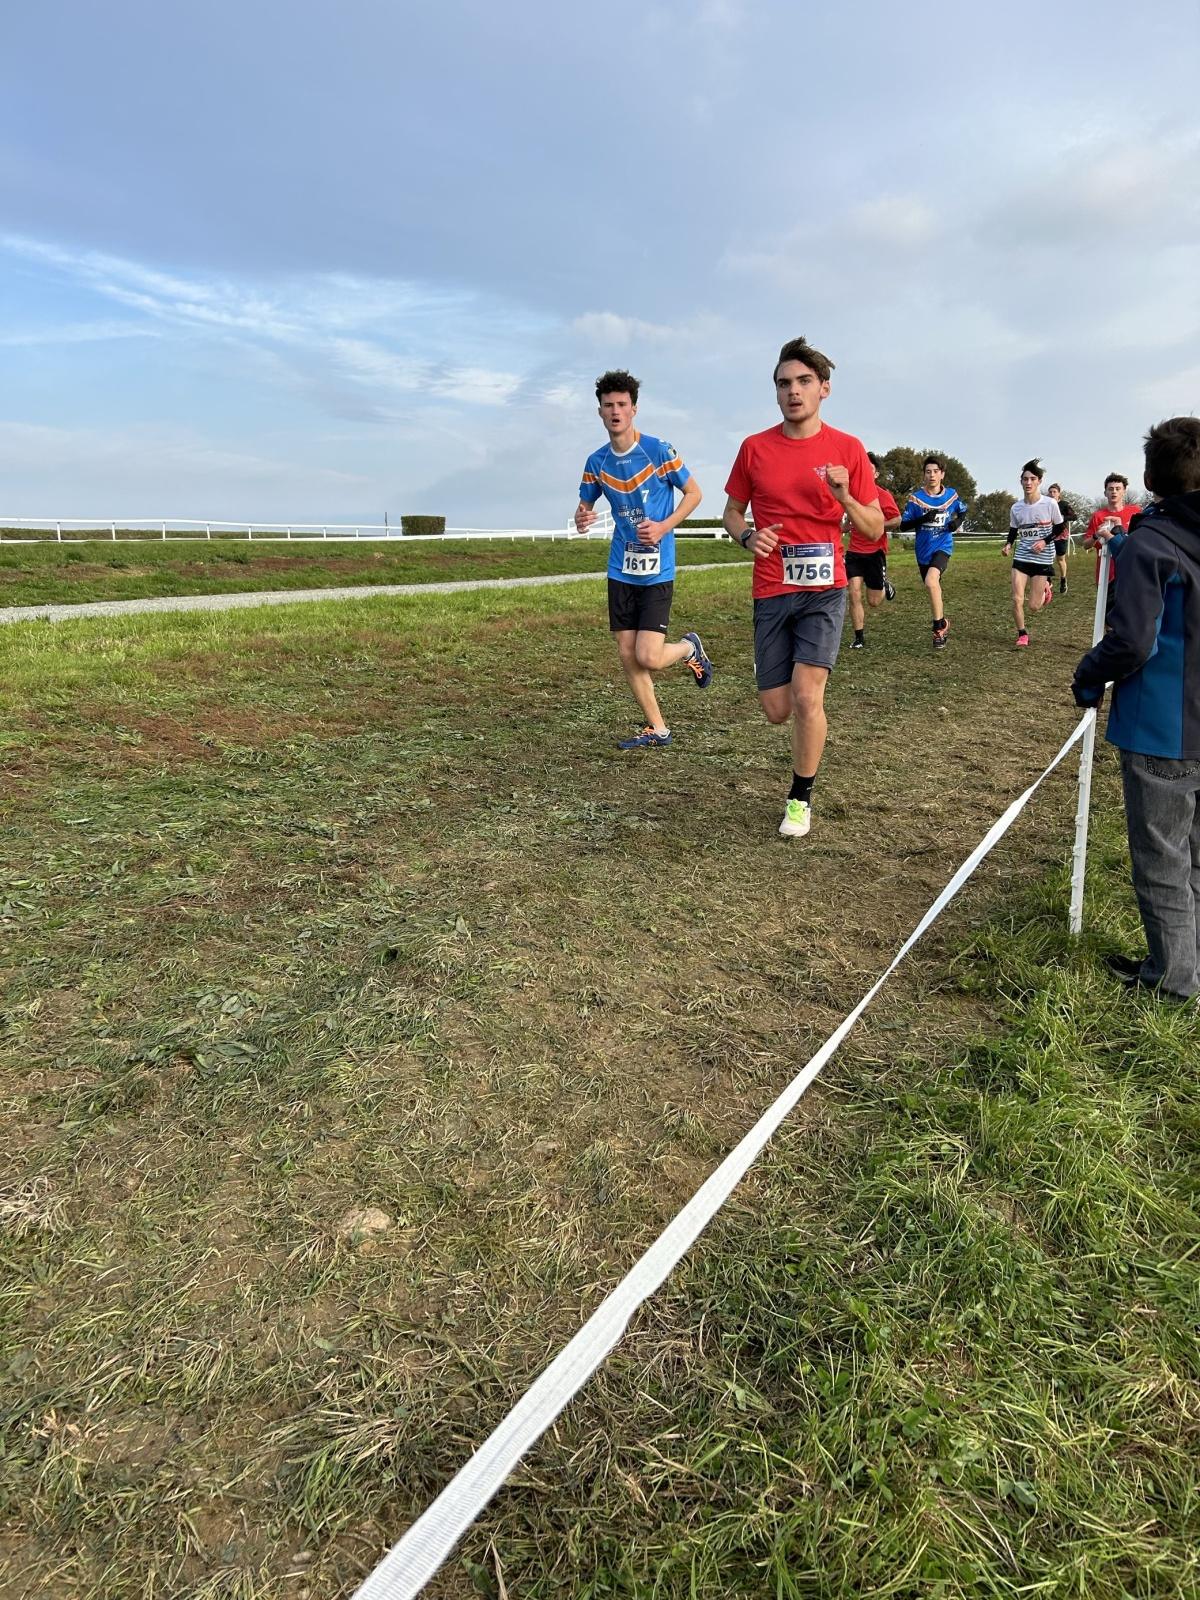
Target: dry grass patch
(410,940)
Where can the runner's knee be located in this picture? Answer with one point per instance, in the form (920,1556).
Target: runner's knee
(807,699)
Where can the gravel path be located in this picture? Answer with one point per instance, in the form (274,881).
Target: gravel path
(287,597)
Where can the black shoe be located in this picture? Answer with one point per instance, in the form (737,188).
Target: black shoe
(858,644)
(1126,968)
(1128,974)
(889,590)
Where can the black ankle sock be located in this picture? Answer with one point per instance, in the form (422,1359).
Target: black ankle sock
(939,625)
(801,787)
(858,633)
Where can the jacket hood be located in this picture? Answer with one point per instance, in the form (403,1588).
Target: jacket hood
(1176,518)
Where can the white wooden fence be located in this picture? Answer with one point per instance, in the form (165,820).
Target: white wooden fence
(65,529)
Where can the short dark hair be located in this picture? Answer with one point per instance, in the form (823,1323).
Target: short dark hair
(617,382)
(1173,456)
(1054,486)
(800,350)
(1118,477)
(874,459)
(1034,466)
(933,461)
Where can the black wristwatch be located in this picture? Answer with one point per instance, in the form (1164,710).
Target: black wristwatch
(744,539)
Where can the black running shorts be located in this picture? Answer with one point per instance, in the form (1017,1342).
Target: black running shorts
(1031,569)
(639,607)
(1061,546)
(869,568)
(802,628)
(939,559)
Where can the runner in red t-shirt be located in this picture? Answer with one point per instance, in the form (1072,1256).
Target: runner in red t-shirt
(800,478)
(1112,517)
(866,562)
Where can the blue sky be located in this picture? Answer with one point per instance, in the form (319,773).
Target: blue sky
(314,262)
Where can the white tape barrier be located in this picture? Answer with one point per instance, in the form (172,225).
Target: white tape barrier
(1083,803)
(410,1564)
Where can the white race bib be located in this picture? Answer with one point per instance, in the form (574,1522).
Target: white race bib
(640,563)
(807,566)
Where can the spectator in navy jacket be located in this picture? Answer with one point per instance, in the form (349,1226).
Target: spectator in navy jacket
(1152,655)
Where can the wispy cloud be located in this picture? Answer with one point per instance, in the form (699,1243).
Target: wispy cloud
(177,452)
(612,330)
(384,338)
(75,333)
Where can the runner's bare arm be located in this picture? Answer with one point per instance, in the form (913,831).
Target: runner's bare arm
(652,532)
(585,515)
(761,541)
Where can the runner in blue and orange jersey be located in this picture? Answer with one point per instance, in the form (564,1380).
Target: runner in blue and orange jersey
(638,476)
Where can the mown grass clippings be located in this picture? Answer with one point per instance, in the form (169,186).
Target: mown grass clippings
(356,912)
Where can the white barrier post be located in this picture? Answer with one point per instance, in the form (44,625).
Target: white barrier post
(1086,751)
(58,531)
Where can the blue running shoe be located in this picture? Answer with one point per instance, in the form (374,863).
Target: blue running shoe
(647,739)
(698,664)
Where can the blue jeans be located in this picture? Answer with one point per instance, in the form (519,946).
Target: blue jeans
(1162,812)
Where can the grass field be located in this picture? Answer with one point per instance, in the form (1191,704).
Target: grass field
(313,911)
(58,574)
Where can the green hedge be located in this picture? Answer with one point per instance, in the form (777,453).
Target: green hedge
(417,525)
(700,522)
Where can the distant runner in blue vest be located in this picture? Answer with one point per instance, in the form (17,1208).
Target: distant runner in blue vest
(935,512)
(638,475)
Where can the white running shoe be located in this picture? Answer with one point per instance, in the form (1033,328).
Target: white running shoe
(797,819)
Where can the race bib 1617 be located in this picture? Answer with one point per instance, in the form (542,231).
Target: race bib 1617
(640,563)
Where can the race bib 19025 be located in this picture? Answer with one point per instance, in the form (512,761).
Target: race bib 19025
(807,566)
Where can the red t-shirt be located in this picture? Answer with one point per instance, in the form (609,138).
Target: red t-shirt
(1098,518)
(783,480)
(859,543)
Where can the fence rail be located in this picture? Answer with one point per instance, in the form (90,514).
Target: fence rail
(36,530)
(65,530)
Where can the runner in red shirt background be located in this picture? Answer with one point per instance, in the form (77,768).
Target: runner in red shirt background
(1113,516)
(799,479)
(866,562)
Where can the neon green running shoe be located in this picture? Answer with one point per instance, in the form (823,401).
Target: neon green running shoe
(797,819)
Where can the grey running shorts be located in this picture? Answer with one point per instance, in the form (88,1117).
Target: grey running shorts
(799,629)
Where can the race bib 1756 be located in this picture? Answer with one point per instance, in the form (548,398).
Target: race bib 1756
(807,566)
